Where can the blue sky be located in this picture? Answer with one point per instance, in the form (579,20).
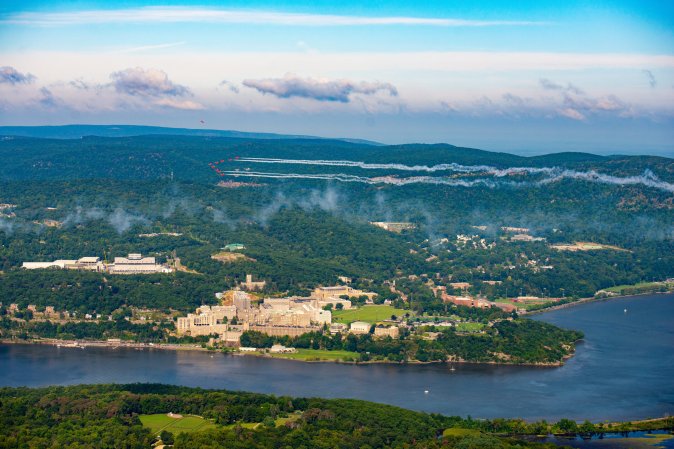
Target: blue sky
(529,77)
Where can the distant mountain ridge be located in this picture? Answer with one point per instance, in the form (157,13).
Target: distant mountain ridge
(187,157)
(78,131)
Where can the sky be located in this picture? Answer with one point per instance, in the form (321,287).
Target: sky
(530,77)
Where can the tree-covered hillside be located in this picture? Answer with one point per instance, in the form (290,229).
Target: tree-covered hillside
(122,416)
(98,196)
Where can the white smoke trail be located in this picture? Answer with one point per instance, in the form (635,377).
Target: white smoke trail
(402,167)
(553,174)
(648,179)
(342,177)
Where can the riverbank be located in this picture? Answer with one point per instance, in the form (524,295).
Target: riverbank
(599,383)
(321,356)
(591,300)
(82,344)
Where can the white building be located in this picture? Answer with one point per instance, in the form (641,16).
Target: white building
(360,327)
(206,321)
(137,264)
(280,349)
(83,263)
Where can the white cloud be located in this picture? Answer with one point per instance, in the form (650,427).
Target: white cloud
(338,90)
(150,82)
(214,15)
(143,48)
(179,104)
(10,75)
(571,113)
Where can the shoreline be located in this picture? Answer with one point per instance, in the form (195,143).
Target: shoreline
(590,300)
(113,345)
(83,344)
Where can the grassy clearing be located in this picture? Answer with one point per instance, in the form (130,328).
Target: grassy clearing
(256,425)
(586,246)
(309,355)
(157,423)
(245,425)
(470,327)
(459,432)
(639,286)
(527,305)
(229,257)
(369,314)
(290,418)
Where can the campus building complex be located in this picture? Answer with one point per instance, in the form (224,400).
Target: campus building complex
(133,264)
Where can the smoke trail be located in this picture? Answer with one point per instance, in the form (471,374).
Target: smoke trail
(342,177)
(648,179)
(402,167)
(552,174)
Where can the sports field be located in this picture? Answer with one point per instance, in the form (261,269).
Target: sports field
(188,423)
(369,314)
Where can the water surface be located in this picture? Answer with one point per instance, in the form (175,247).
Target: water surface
(623,370)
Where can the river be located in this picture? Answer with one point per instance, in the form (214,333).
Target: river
(623,370)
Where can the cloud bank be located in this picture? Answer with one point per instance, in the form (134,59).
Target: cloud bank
(152,82)
(216,15)
(317,89)
(10,75)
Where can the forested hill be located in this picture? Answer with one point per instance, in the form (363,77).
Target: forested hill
(140,415)
(79,131)
(187,157)
(302,208)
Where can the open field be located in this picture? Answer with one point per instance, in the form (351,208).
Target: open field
(469,327)
(646,286)
(229,257)
(459,432)
(586,246)
(369,314)
(526,305)
(157,423)
(318,355)
(256,425)
(245,425)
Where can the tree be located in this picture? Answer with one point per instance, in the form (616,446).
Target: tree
(166,437)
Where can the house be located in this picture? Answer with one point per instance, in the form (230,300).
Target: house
(360,327)
(336,328)
(391,331)
(280,349)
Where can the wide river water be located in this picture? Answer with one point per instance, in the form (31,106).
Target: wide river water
(624,369)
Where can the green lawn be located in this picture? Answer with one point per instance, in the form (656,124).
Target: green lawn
(469,327)
(188,423)
(245,425)
(369,314)
(640,285)
(459,432)
(294,416)
(526,305)
(318,354)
